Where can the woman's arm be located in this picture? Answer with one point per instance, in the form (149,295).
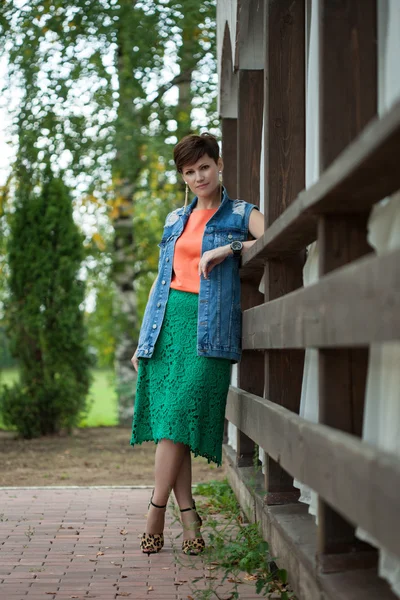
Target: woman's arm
(214,257)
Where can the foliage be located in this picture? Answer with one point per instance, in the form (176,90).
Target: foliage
(235,547)
(102,397)
(103,90)
(45,318)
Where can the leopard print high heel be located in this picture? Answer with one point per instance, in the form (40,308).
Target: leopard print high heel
(151,543)
(196,545)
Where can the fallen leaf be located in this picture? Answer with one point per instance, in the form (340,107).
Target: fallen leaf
(150,588)
(74,596)
(93,560)
(165,568)
(123,532)
(99,553)
(180,582)
(250,577)
(233,580)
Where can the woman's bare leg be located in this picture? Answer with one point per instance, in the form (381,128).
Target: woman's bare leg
(184,498)
(169,457)
(183,483)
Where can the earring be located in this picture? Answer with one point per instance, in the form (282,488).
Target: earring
(220,186)
(186,196)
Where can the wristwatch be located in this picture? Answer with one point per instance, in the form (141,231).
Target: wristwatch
(236,248)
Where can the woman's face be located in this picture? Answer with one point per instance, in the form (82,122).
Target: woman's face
(203,176)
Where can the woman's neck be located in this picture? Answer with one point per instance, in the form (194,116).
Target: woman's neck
(209,202)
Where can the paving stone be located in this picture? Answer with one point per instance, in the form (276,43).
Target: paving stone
(52,540)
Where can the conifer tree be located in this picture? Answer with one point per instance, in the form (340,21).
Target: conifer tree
(46,327)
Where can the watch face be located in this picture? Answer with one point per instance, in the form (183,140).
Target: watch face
(236,246)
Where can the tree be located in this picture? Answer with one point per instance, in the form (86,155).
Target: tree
(97,78)
(45,313)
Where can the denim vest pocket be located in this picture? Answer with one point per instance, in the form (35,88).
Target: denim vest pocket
(224,236)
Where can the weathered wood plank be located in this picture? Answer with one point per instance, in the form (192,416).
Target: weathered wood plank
(342,375)
(291,535)
(348,73)
(350,475)
(365,172)
(353,306)
(229,154)
(284,167)
(249,128)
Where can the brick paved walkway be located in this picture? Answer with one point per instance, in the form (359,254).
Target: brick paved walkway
(59,543)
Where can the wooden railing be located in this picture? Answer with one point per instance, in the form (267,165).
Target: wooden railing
(349,308)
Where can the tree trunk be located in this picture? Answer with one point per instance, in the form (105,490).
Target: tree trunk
(125,170)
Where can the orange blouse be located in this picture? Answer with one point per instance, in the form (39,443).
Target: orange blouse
(187,253)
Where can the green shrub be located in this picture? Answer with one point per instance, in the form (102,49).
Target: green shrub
(45,314)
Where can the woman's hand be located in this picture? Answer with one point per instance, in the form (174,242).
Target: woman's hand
(211,258)
(135,361)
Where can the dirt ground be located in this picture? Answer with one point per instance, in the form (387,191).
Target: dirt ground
(98,456)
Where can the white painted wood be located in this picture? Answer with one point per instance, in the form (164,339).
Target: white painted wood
(382,402)
(226,44)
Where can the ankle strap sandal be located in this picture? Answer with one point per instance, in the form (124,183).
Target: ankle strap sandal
(151,543)
(196,545)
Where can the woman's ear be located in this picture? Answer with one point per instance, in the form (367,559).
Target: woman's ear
(220,165)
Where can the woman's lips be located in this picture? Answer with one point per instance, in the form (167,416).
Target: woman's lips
(202,185)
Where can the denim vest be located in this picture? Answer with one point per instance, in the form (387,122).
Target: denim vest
(219,316)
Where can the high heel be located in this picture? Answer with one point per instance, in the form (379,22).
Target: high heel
(196,545)
(151,543)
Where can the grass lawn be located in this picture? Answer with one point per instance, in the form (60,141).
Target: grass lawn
(103,409)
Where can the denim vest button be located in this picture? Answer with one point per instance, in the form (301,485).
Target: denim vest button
(154,326)
(167,259)
(158,304)
(146,351)
(163,282)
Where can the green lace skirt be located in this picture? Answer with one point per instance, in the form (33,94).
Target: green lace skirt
(181,396)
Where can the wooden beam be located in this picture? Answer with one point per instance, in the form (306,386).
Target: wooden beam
(291,535)
(284,144)
(229,155)
(351,475)
(356,305)
(348,101)
(365,172)
(249,135)
(249,128)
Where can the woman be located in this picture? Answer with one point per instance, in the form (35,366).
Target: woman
(190,335)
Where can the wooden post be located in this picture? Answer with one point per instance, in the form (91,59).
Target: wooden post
(284,142)
(229,155)
(347,102)
(249,133)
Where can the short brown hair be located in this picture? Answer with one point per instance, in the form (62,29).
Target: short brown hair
(192,147)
